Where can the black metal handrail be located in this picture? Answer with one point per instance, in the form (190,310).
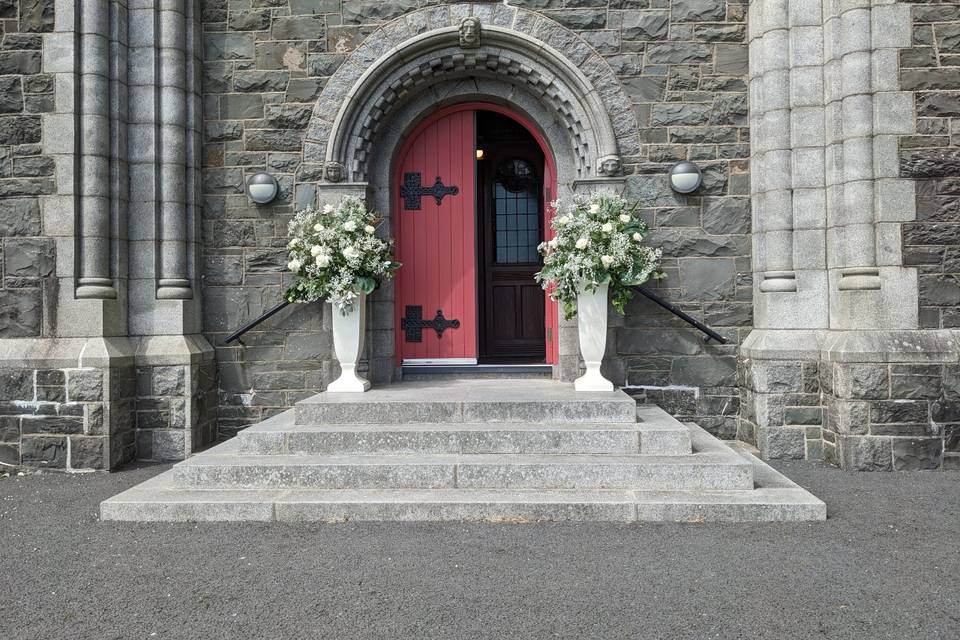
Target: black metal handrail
(683,315)
(710,333)
(250,325)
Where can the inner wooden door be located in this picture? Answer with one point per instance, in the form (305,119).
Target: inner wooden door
(510,179)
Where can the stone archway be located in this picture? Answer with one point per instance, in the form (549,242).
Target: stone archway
(421,49)
(416,65)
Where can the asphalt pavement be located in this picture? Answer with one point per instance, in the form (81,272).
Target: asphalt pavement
(886,564)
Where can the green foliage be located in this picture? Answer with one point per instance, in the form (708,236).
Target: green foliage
(597,239)
(336,254)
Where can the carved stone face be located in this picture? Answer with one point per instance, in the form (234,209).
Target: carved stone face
(610,166)
(333,172)
(470,33)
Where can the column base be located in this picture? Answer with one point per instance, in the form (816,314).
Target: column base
(859,279)
(67,403)
(174,289)
(862,400)
(87,291)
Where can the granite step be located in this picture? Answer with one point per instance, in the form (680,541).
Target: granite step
(654,432)
(774,498)
(709,468)
(470,401)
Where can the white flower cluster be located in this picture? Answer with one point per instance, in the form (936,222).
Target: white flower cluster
(597,239)
(336,254)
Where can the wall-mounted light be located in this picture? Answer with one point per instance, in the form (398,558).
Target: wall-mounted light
(685,177)
(480,154)
(262,188)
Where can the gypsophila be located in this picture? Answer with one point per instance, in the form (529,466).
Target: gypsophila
(597,239)
(336,255)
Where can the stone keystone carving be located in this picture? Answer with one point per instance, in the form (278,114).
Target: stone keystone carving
(333,172)
(609,166)
(470,33)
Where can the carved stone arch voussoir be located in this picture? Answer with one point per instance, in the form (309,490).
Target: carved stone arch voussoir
(423,48)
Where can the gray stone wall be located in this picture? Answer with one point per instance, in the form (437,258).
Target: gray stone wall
(683,66)
(932,156)
(66,418)
(28,253)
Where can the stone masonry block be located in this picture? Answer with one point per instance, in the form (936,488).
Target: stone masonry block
(911,454)
(168,381)
(84,385)
(893,112)
(88,452)
(866,453)
(892,27)
(44,451)
(868,381)
(776,377)
(782,443)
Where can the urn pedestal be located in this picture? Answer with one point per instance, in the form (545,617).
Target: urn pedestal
(348,333)
(592,329)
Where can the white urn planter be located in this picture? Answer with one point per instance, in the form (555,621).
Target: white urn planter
(348,332)
(592,327)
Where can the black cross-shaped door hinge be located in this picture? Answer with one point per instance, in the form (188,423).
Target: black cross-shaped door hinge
(413,323)
(412,190)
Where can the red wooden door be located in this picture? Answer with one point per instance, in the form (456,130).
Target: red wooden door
(435,229)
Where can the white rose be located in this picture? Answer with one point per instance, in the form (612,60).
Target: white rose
(315,250)
(369,229)
(294,265)
(583,243)
(637,237)
(293,243)
(624,218)
(350,252)
(562,220)
(607,227)
(328,208)
(607,261)
(594,208)
(323,261)
(318,227)
(350,225)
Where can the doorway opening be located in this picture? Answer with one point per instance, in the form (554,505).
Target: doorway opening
(510,225)
(471,189)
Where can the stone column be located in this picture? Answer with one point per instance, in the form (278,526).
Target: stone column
(849,96)
(95,277)
(773,183)
(173,281)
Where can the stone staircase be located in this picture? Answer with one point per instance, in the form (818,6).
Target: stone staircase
(470,449)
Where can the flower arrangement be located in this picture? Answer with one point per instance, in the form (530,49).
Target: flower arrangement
(336,254)
(598,239)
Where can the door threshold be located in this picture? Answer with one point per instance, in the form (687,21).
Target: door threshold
(477,369)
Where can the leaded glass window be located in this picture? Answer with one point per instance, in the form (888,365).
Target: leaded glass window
(517,206)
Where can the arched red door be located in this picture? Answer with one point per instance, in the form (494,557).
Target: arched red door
(434,195)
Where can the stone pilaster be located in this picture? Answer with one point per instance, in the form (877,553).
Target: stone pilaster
(175,365)
(866,389)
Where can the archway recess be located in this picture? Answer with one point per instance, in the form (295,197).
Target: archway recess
(423,48)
